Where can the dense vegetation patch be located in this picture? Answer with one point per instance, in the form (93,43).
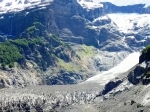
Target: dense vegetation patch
(12,50)
(9,54)
(25,43)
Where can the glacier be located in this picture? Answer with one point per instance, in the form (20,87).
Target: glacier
(103,78)
(126,22)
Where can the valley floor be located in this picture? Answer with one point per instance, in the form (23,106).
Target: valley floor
(83,97)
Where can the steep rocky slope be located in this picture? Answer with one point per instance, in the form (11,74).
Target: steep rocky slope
(72,25)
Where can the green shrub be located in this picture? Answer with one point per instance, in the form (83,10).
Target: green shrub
(146,50)
(11,65)
(36,40)
(147,74)
(145,56)
(9,53)
(26,42)
(57,39)
(20,42)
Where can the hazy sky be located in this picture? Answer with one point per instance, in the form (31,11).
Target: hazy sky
(125,2)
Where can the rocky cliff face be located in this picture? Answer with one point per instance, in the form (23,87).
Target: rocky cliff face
(55,17)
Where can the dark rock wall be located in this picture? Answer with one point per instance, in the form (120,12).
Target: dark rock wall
(57,16)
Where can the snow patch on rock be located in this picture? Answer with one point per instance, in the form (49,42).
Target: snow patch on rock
(88,4)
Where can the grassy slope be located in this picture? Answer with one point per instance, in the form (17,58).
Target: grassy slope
(83,53)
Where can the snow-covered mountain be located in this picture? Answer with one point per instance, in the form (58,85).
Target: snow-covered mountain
(18,5)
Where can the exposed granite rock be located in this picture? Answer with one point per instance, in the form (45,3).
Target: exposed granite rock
(135,76)
(139,74)
(110,86)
